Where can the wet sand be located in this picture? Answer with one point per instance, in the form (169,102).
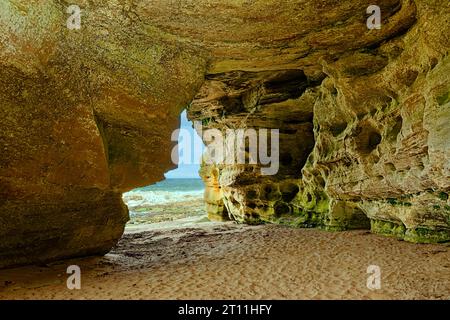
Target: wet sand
(192,259)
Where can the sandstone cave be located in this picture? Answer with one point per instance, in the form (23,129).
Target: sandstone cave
(87,115)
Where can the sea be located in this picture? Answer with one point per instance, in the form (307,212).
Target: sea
(165,192)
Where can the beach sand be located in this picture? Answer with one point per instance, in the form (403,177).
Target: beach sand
(192,259)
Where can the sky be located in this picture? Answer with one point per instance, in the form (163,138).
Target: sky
(188,139)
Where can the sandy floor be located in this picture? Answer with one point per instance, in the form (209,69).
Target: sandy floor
(230,261)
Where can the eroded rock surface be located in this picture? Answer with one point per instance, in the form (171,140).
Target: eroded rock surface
(364,130)
(87,114)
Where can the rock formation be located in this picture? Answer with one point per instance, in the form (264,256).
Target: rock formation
(87,114)
(364,128)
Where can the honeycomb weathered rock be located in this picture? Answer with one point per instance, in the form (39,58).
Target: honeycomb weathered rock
(373,126)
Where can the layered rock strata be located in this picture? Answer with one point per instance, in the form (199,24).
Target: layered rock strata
(363,143)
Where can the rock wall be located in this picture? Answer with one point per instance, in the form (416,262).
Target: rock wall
(87,114)
(364,138)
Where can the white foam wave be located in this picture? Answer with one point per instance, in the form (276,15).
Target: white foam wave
(138,198)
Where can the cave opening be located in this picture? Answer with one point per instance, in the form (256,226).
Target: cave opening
(178,198)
